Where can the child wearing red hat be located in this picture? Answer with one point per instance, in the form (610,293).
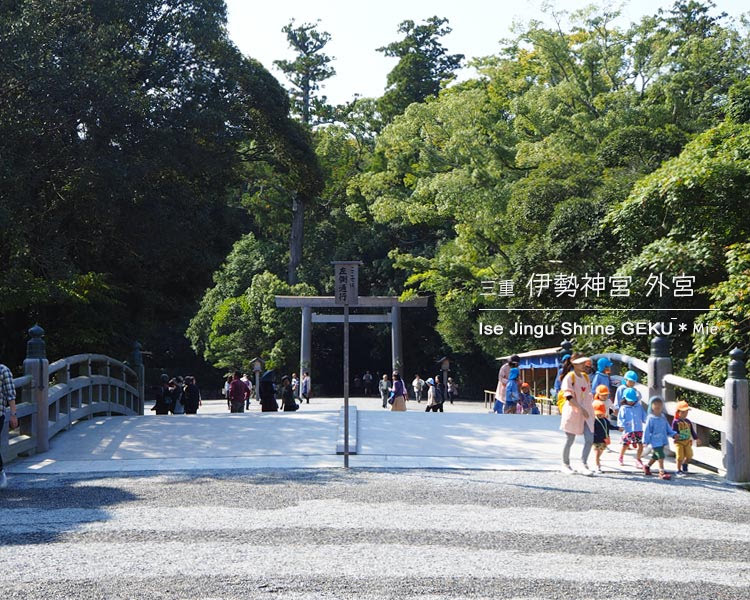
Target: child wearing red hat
(686,434)
(602,425)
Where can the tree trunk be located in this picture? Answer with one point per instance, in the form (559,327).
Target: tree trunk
(296,238)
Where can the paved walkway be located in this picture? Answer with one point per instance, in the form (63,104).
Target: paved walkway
(372,535)
(464,437)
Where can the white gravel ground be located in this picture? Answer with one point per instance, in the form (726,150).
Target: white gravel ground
(373,534)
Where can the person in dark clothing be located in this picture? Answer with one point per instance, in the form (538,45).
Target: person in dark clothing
(177,391)
(267,393)
(192,399)
(238,393)
(287,395)
(163,402)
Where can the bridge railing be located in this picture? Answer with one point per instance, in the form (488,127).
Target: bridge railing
(51,397)
(733,425)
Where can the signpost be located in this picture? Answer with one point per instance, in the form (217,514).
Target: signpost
(346,283)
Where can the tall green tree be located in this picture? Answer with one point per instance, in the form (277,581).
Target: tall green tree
(309,69)
(424,66)
(307,72)
(124,131)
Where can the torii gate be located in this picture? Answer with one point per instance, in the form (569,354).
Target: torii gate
(393,316)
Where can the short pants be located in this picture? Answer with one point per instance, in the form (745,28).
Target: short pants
(634,437)
(657,453)
(600,446)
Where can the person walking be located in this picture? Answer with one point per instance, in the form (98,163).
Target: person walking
(384,386)
(452,390)
(502,377)
(417,385)
(192,396)
(305,388)
(295,385)
(602,377)
(367,380)
(238,394)
(7,409)
(163,397)
(227,383)
(267,393)
(512,392)
(434,400)
(398,394)
(177,390)
(249,384)
(578,411)
(287,395)
(441,394)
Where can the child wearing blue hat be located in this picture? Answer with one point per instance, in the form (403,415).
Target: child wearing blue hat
(512,392)
(657,432)
(628,383)
(601,377)
(630,419)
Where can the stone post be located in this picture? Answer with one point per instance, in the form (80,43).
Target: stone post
(735,446)
(37,365)
(140,371)
(659,365)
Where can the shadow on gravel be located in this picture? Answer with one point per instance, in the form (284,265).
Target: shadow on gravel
(709,482)
(42,510)
(266,477)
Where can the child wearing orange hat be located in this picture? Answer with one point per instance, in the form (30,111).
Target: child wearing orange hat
(686,434)
(602,425)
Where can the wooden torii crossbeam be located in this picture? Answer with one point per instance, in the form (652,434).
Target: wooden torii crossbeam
(393,316)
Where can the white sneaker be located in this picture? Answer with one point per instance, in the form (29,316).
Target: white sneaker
(3,480)
(567,469)
(584,470)
(599,471)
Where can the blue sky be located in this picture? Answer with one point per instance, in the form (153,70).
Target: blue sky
(358,27)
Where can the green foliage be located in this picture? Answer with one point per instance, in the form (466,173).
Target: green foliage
(731,299)
(310,67)
(248,324)
(124,128)
(424,65)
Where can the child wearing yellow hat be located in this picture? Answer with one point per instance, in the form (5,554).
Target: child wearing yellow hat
(686,434)
(602,425)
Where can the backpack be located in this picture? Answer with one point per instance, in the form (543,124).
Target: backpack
(561,399)
(439,398)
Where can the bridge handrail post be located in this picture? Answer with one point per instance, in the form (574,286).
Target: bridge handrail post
(735,443)
(140,371)
(37,366)
(659,364)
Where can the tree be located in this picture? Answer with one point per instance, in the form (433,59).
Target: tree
(309,69)
(124,128)
(424,65)
(306,72)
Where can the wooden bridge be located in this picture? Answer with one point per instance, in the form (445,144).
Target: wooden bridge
(53,397)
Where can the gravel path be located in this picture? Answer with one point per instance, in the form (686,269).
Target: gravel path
(373,534)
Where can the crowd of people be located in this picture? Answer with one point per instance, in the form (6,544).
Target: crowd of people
(394,393)
(588,408)
(177,396)
(239,391)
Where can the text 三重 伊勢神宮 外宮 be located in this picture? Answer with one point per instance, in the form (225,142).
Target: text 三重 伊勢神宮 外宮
(572,286)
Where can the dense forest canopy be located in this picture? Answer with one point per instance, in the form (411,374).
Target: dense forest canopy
(140,151)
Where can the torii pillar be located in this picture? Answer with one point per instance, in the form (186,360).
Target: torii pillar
(397,348)
(305,346)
